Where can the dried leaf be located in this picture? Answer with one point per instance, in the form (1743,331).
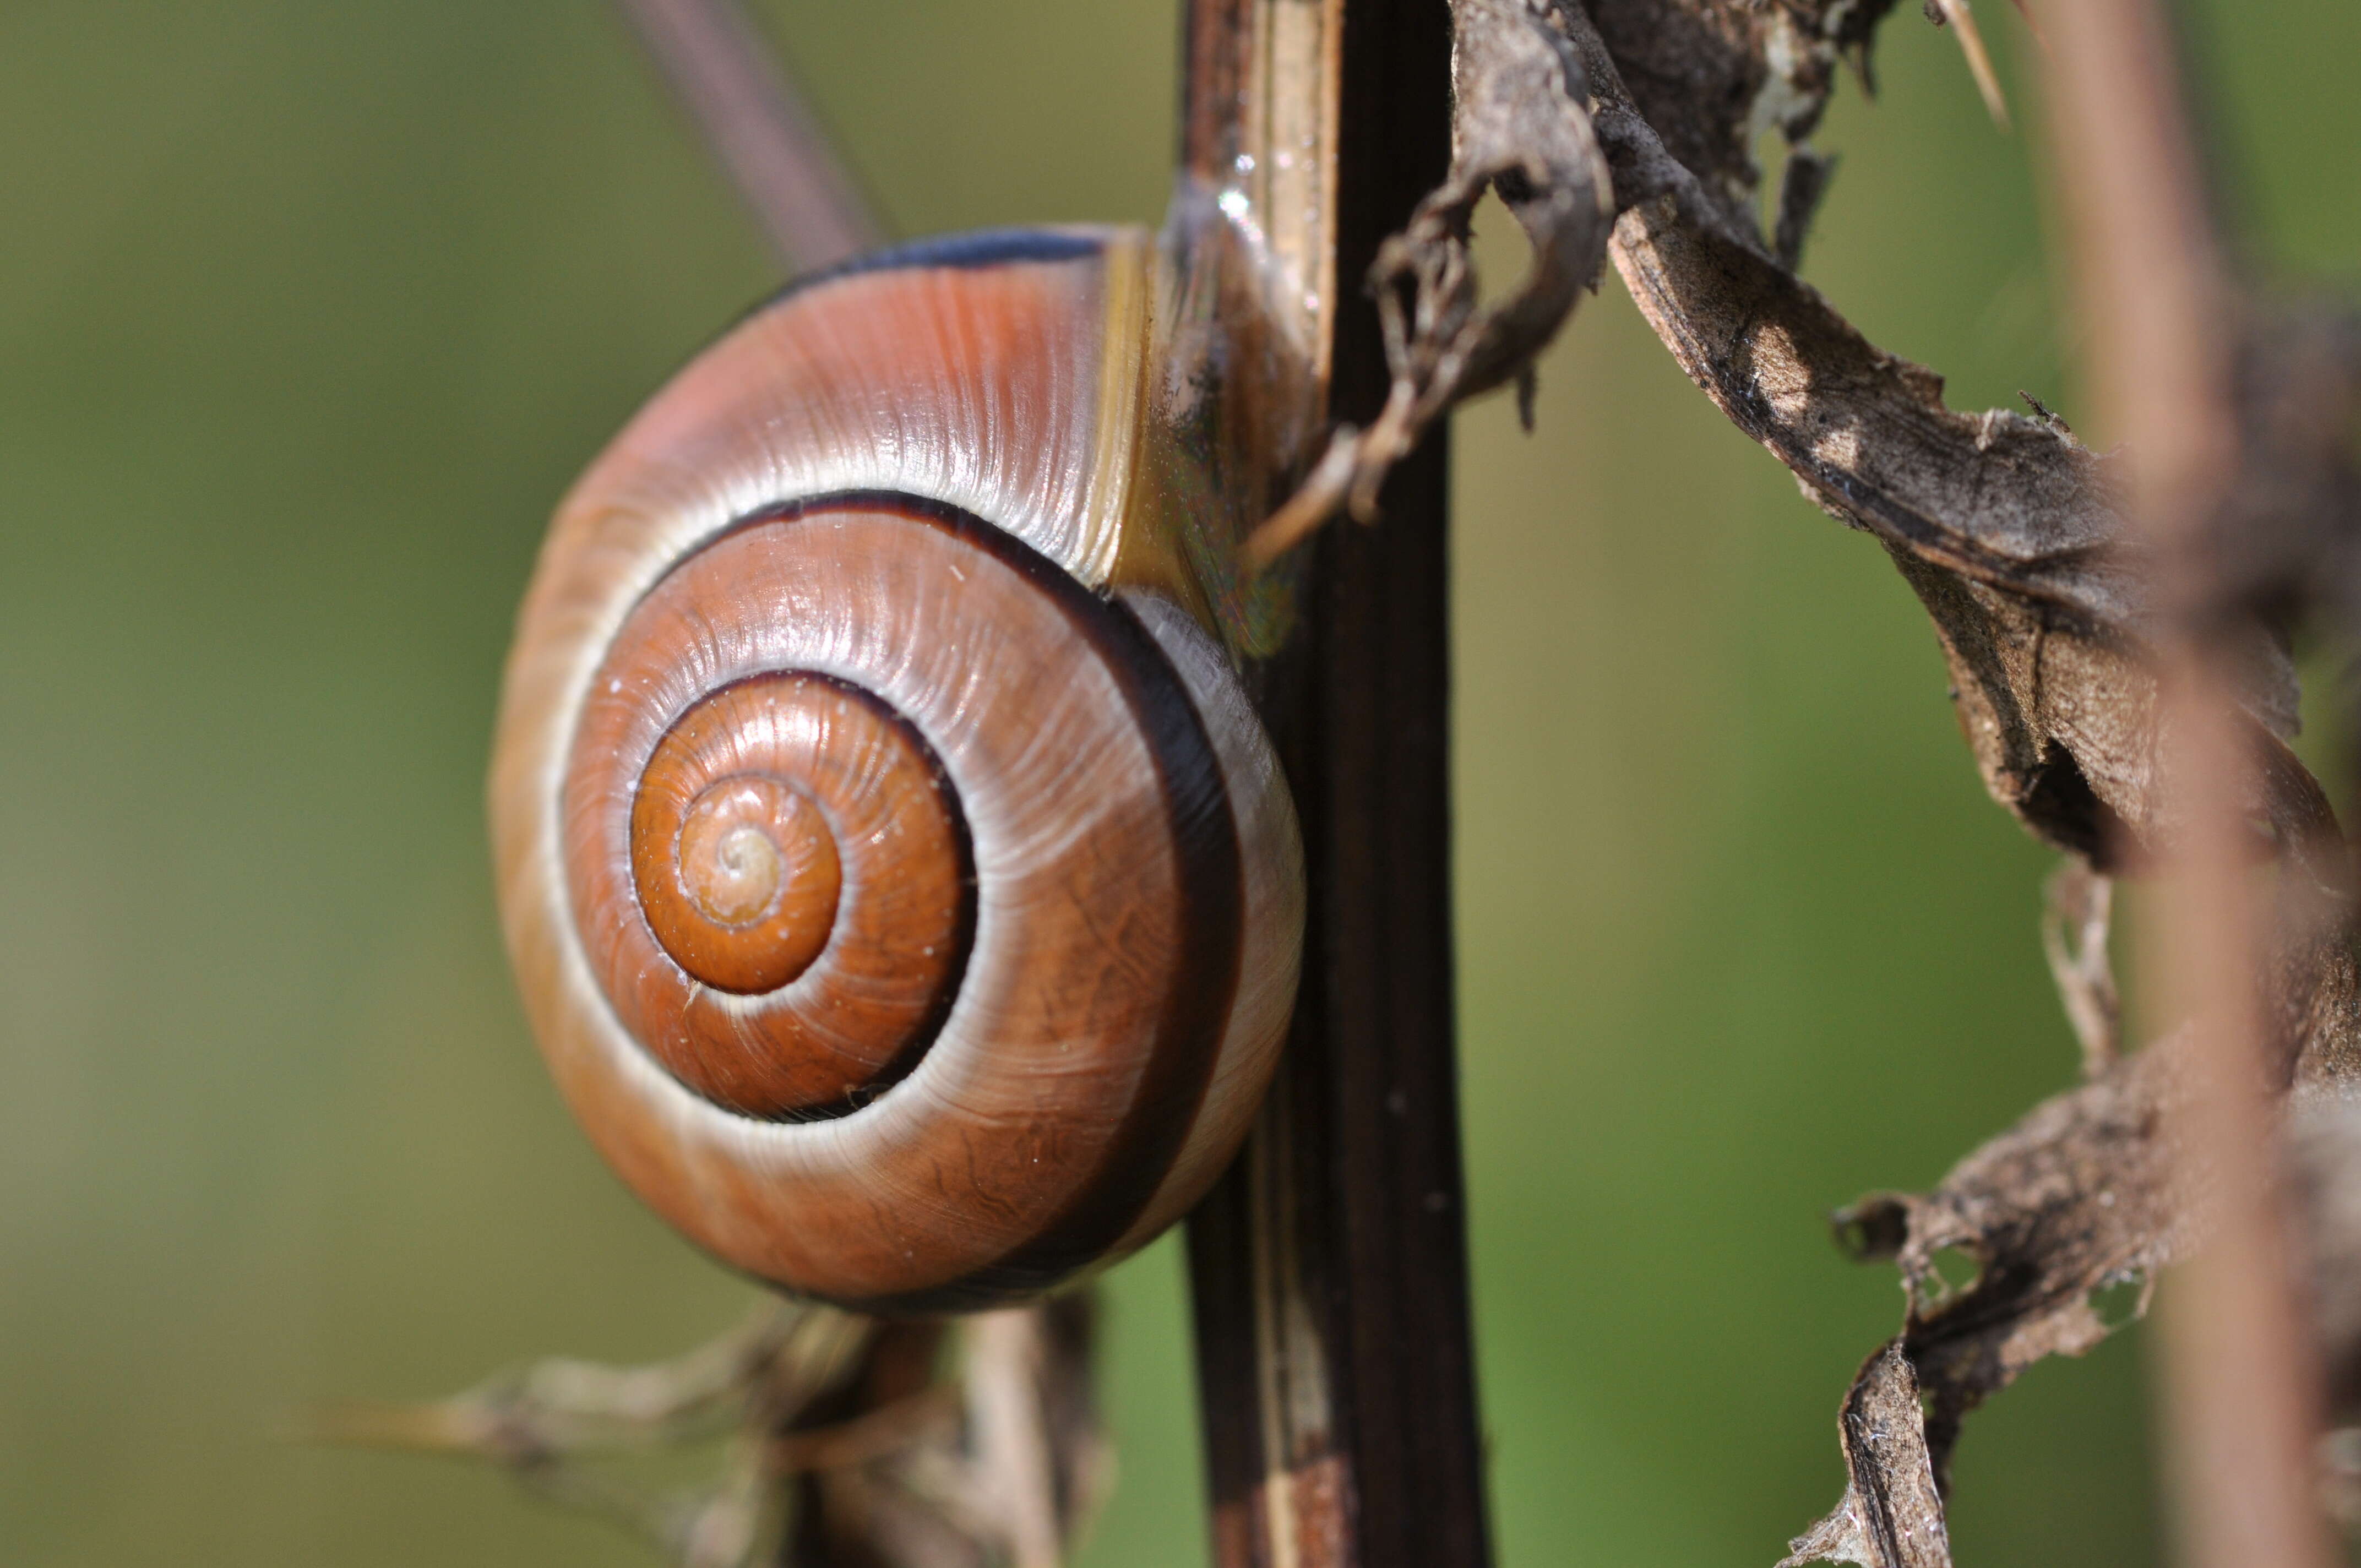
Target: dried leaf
(2089,1190)
(1004,1463)
(2010,533)
(2097,1188)
(2008,528)
(1890,1515)
(1520,127)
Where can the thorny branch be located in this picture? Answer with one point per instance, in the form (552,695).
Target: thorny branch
(2053,615)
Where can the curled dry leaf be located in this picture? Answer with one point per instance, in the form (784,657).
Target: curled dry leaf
(2012,535)
(2089,1190)
(2098,1187)
(1520,127)
(559,1425)
(2007,528)
(1892,1516)
(2009,531)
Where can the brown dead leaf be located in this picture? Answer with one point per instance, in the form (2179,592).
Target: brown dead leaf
(2012,535)
(2089,1190)
(2008,528)
(1890,1515)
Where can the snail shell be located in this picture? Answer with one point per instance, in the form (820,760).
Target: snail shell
(903,893)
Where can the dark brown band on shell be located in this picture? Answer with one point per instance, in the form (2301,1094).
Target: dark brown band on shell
(1158,1009)
(1205,978)
(831,785)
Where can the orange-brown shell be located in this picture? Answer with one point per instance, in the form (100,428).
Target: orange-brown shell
(904,895)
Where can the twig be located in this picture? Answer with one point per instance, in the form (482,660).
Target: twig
(2077,909)
(2239,1363)
(1006,1360)
(1520,129)
(871,1435)
(757,128)
(1962,23)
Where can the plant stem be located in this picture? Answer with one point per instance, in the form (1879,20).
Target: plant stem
(761,133)
(1334,1347)
(2241,1380)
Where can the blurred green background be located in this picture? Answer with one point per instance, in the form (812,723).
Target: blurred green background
(307,312)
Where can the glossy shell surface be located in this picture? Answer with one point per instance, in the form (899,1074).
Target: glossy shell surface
(902,889)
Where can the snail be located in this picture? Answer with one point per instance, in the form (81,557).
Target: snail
(904,892)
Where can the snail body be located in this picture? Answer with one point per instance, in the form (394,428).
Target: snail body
(903,893)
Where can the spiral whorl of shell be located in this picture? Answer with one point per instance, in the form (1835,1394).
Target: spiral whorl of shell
(904,892)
